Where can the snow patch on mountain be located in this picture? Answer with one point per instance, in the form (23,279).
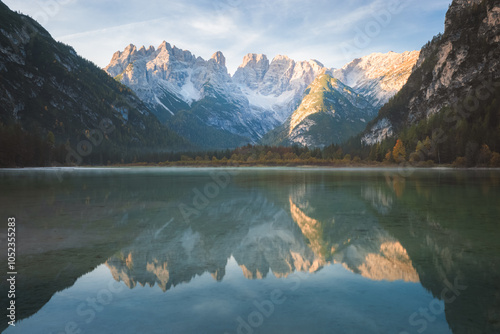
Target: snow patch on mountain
(164,106)
(188,91)
(378,76)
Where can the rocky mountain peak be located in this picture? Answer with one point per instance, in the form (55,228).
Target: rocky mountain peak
(255,60)
(219,58)
(130,48)
(282,59)
(252,70)
(316,65)
(164,45)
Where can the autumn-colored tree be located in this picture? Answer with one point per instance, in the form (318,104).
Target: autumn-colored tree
(305,156)
(495,159)
(399,152)
(388,156)
(428,145)
(290,156)
(339,154)
(420,147)
(484,155)
(419,154)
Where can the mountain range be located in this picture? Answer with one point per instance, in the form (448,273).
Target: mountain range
(200,100)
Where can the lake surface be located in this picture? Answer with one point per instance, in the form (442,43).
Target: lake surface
(254,250)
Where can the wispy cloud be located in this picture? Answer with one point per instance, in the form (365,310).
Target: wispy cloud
(108,30)
(300,29)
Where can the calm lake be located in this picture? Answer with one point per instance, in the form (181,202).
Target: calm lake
(172,250)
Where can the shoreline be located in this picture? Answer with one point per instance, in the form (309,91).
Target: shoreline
(233,166)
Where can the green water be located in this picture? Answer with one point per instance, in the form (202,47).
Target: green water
(253,250)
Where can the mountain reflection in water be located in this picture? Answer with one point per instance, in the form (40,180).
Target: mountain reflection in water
(434,228)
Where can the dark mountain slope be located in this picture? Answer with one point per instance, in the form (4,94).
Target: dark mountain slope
(49,93)
(452,96)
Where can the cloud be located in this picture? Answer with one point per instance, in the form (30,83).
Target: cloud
(297,28)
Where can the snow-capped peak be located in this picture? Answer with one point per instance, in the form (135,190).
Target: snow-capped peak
(378,76)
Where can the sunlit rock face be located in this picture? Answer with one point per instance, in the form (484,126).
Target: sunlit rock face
(311,229)
(373,254)
(329,112)
(378,76)
(391,264)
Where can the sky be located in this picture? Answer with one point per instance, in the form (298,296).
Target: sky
(331,31)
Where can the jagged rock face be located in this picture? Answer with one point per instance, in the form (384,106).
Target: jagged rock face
(277,86)
(238,110)
(149,72)
(455,7)
(285,74)
(381,130)
(330,112)
(450,68)
(252,70)
(458,65)
(378,76)
(177,85)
